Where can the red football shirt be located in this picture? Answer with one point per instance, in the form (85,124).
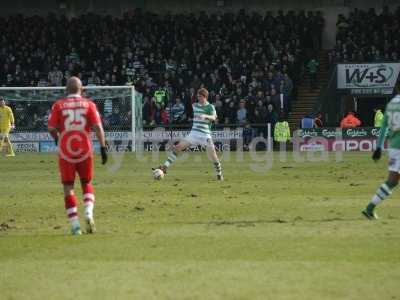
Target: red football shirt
(74,117)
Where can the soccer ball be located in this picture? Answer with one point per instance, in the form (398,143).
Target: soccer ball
(158,174)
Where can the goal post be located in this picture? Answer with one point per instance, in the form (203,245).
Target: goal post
(120,108)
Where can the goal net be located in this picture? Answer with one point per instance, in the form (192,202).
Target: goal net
(120,108)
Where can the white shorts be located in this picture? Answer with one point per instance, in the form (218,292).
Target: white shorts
(394,160)
(196,138)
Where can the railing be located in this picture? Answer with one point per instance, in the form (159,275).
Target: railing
(322,102)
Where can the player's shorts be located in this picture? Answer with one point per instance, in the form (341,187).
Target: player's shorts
(4,132)
(196,138)
(69,169)
(394,160)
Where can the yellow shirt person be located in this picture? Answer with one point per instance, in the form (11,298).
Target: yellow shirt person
(378,118)
(6,123)
(282,131)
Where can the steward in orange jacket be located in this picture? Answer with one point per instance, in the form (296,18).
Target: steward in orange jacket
(350,121)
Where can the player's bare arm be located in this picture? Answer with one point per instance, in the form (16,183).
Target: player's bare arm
(208,117)
(98,128)
(54,134)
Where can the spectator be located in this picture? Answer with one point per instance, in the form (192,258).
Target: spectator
(231,113)
(282,131)
(307,122)
(178,115)
(358,42)
(115,118)
(276,100)
(147,110)
(55,77)
(250,106)
(219,109)
(312,67)
(248,135)
(160,115)
(350,121)
(260,118)
(260,97)
(287,85)
(318,121)
(378,118)
(260,113)
(165,61)
(271,117)
(161,96)
(241,116)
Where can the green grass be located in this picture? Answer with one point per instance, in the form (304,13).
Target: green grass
(294,232)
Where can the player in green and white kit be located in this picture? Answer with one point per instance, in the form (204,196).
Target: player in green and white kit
(391,121)
(203,115)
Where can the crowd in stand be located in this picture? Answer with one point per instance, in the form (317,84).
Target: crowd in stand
(249,62)
(365,36)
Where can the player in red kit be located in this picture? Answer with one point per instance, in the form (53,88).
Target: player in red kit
(70,123)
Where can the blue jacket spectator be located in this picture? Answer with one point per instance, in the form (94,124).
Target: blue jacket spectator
(242,113)
(307,123)
(178,111)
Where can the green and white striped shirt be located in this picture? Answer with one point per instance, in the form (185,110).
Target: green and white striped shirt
(391,124)
(202,126)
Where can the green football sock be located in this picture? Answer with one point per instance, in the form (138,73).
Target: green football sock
(171,159)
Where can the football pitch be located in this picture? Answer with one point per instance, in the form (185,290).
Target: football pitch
(292,232)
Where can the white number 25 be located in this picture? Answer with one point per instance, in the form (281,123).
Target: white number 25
(76,119)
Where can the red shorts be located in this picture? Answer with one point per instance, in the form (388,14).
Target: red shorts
(83,168)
